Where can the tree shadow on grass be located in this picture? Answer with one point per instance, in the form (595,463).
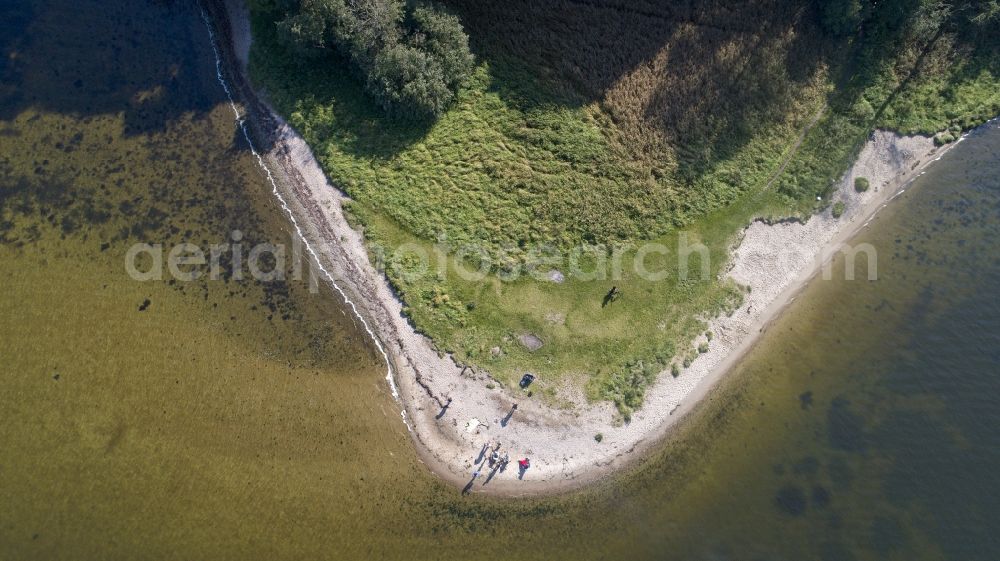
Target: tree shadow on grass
(701,77)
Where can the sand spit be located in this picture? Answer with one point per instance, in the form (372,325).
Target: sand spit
(775,261)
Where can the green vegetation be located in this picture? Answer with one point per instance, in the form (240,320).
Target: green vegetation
(413,58)
(861,184)
(598,437)
(944,138)
(838,209)
(599,126)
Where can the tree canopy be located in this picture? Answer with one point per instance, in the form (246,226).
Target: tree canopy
(413,58)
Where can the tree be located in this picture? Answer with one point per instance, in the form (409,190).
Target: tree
(409,82)
(368,26)
(441,35)
(308,31)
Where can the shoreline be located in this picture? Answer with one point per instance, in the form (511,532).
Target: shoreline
(561,444)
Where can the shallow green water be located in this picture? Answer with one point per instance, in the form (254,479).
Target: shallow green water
(235,419)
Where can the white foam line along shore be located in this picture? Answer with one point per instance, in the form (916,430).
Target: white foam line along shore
(241,123)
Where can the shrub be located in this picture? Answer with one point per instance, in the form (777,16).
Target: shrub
(627,387)
(944,138)
(703,348)
(626,412)
(838,209)
(598,437)
(861,184)
(675,370)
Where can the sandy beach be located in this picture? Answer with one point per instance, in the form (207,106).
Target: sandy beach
(774,261)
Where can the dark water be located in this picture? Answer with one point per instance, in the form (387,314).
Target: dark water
(235,419)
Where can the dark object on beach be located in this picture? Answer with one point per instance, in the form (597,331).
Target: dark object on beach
(444,409)
(611,296)
(505,420)
(526,380)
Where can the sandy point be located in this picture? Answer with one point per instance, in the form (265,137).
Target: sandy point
(455,413)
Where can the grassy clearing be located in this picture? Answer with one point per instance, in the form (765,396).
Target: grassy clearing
(616,348)
(550,147)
